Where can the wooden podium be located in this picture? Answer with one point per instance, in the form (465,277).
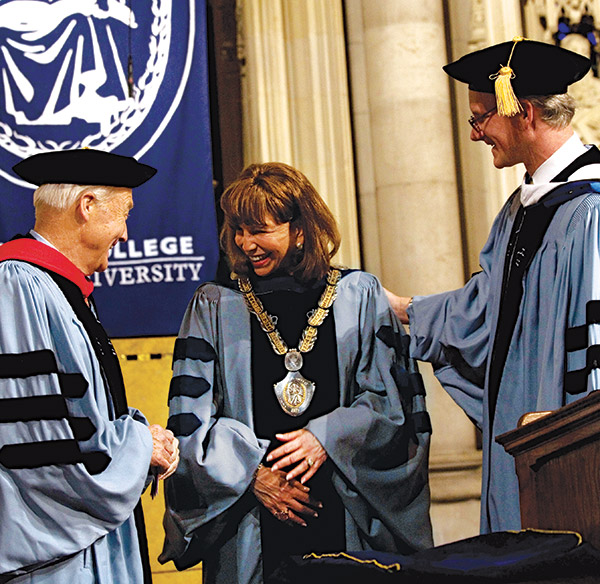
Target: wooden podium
(557,458)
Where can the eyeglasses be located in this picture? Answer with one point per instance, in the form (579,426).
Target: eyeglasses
(474,121)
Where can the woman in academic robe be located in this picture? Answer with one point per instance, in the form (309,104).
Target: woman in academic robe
(301,418)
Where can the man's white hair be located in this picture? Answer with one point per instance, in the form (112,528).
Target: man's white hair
(556,110)
(62,196)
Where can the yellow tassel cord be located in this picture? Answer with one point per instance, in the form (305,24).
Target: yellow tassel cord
(506,100)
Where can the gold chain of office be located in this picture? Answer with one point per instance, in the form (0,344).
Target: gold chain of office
(315,319)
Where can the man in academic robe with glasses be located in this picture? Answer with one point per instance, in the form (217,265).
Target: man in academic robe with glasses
(521,335)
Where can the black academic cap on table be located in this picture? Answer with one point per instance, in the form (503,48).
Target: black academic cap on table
(84,167)
(531,68)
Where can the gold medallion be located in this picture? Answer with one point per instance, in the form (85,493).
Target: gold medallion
(294,393)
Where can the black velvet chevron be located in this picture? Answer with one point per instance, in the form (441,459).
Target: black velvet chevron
(188,386)
(193,348)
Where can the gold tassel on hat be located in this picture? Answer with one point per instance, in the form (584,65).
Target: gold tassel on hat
(506,100)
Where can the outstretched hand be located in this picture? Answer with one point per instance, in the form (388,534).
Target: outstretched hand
(300,447)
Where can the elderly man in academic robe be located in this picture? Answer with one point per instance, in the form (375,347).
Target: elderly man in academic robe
(74,459)
(515,338)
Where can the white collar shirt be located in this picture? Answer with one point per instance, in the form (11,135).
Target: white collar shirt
(572,149)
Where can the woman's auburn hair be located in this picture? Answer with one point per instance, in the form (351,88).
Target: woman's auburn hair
(279,190)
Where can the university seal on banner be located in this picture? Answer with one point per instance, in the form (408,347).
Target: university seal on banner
(130,77)
(89,73)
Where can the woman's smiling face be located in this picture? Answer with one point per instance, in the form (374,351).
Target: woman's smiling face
(270,246)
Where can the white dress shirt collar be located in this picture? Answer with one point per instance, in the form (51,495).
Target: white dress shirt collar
(531,193)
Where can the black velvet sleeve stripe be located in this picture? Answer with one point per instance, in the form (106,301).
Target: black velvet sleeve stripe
(50,453)
(193,348)
(73,385)
(183,424)
(592,312)
(421,422)
(188,386)
(576,338)
(593,357)
(394,339)
(576,381)
(386,334)
(37,454)
(83,428)
(416,383)
(96,462)
(401,377)
(27,364)
(407,383)
(44,407)
(27,409)
(475,375)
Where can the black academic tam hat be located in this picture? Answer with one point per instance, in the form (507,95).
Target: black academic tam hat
(84,167)
(537,68)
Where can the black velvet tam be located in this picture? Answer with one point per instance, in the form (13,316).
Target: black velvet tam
(539,68)
(84,167)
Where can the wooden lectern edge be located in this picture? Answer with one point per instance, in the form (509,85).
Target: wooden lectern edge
(555,424)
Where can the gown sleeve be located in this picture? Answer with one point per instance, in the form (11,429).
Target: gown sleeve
(378,439)
(219,455)
(450,331)
(580,280)
(453,330)
(69,473)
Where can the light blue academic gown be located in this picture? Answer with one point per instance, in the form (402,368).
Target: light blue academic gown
(455,332)
(62,523)
(382,483)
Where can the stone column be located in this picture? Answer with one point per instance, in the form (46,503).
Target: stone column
(408,127)
(296,105)
(409,201)
(473,25)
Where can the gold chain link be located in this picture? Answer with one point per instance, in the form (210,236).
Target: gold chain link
(309,334)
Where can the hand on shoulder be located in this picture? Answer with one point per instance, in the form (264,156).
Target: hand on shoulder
(399,305)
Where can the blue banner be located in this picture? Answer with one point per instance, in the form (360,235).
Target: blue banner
(129,77)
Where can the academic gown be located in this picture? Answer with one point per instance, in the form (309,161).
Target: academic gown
(546,366)
(292,301)
(377,440)
(71,473)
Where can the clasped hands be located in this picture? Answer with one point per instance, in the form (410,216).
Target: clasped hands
(280,491)
(165,451)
